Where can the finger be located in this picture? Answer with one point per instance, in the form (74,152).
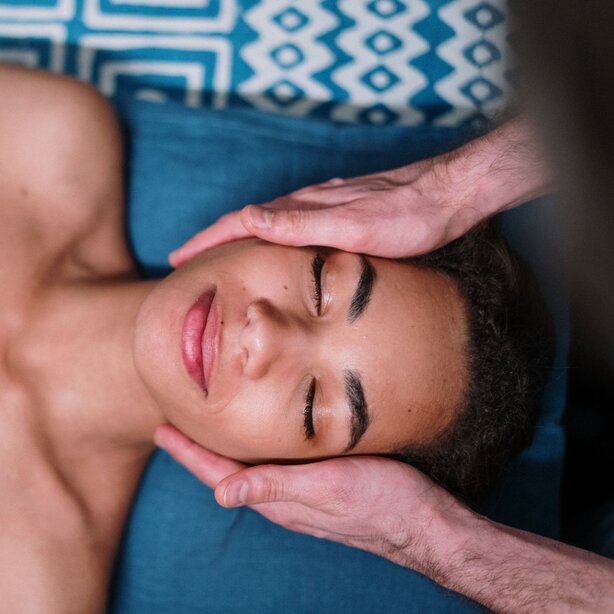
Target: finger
(334,182)
(207,466)
(227,228)
(288,202)
(360,182)
(304,484)
(333,227)
(329,195)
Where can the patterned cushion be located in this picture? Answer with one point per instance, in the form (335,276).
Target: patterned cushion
(365,61)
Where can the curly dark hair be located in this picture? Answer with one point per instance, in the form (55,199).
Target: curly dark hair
(509,355)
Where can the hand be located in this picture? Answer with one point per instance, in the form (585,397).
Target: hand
(390,214)
(392,510)
(372,503)
(402,212)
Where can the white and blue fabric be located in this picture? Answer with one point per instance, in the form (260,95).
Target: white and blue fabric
(412,62)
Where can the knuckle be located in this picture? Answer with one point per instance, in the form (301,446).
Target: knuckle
(319,533)
(348,214)
(423,236)
(292,525)
(356,234)
(294,220)
(270,489)
(302,192)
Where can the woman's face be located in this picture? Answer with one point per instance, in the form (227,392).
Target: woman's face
(308,353)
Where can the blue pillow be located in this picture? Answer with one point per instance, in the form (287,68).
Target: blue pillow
(183,553)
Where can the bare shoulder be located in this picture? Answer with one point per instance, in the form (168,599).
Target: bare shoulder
(60,161)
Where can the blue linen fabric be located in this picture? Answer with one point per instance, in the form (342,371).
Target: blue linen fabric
(183,553)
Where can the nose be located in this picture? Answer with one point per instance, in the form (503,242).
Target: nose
(270,337)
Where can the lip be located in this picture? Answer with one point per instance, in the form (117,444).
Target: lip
(198,339)
(209,345)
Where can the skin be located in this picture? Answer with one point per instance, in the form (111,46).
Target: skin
(90,355)
(273,343)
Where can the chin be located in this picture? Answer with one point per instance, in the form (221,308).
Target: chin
(156,357)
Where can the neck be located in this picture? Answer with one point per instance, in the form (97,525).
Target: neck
(91,419)
(95,394)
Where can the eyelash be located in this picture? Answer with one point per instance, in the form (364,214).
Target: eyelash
(317,265)
(308,413)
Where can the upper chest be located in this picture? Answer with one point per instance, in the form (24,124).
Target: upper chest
(58,539)
(53,558)
(51,482)
(38,509)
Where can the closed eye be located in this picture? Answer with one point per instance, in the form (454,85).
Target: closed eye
(316,269)
(308,413)
(317,264)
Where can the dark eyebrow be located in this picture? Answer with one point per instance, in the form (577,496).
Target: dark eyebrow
(361,297)
(359,420)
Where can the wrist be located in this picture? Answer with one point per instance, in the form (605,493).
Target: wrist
(454,530)
(437,534)
(496,172)
(509,570)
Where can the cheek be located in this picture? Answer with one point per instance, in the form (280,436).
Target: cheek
(251,427)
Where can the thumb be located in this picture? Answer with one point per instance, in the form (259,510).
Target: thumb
(299,227)
(266,484)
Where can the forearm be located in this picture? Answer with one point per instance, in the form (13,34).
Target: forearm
(498,171)
(513,571)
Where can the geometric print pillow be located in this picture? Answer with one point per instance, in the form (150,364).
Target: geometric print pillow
(412,62)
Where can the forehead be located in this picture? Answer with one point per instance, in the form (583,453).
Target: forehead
(411,355)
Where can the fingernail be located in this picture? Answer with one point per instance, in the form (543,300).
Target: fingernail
(235,494)
(260,217)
